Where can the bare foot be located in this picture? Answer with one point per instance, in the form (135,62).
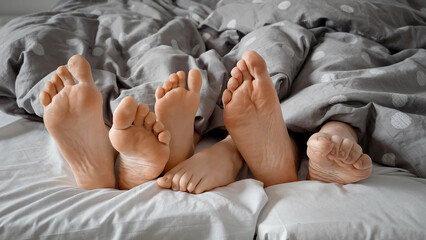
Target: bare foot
(142,142)
(73,116)
(253,118)
(335,156)
(208,169)
(176,108)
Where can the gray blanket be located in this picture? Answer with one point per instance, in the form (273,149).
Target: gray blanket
(361,62)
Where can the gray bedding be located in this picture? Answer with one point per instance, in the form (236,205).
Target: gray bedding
(361,62)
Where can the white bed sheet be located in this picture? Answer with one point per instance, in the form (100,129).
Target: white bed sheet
(390,204)
(39,199)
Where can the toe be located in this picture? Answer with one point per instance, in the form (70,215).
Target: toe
(226,97)
(337,142)
(80,69)
(194,81)
(176,180)
(364,162)
(157,128)
(124,114)
(256,65)
(164,137)
(57,81)
(202,186)
(184,180)
(345,149)
(149,120)
(355,153)
(232,84)
(141,113)
(236,73)
(65,76)
(50,88)
(193,183)
(174,79)
(167,85)
(320,143)
(164,182)
(45,98)
(241,65)
(181,81)
(159,93)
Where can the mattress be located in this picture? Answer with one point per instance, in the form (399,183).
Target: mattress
(39,199)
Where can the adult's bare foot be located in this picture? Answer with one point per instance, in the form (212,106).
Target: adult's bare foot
(335,156)
(208,169)
(176,108)
(254,119)
(73,116)
(142,142)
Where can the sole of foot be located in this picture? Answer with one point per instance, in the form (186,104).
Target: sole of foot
(176,107)
(142,143)
(253,118)
(73,116)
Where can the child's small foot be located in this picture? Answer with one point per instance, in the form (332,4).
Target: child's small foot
(73,116)
(176,108)
(254,119)
(142,142)
(335,156)
(208,169)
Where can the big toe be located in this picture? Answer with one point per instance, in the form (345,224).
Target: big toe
(194,80)
(125,113)
(80,68)
(319,144)
(256,64)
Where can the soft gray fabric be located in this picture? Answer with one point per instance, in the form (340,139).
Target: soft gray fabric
(362,62)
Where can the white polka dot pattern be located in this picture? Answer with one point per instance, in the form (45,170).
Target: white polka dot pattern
(38,49)
(144,47)
(400,120)
(399,100)
(328,77)
(284,5)
(318,55)
(122,37)
(421,78)
(347,9)
(389,159)
(232,24)
(250,41)
(97,51)
(72,42)
(376,71)
(206,36)
(96,12)
(174,44)
(338,99)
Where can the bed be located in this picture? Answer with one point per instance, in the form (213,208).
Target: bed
(330,60)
